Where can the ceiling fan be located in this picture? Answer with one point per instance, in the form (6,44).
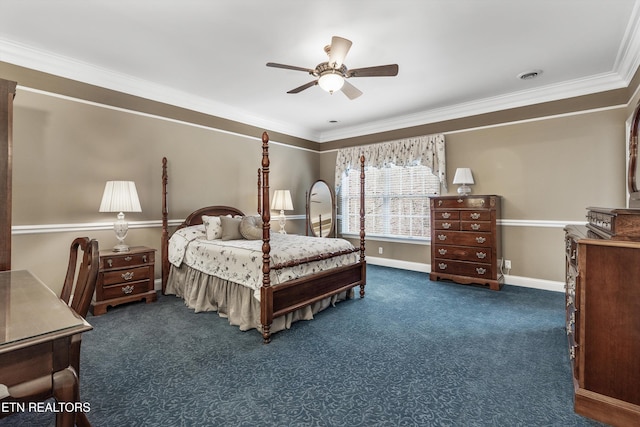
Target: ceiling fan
(333,74)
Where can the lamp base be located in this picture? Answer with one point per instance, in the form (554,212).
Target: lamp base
(282,222)
(121,247)
(464,190)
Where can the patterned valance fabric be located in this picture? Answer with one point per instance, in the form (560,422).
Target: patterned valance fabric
(427,150)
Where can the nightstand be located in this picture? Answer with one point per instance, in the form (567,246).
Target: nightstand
(124,277)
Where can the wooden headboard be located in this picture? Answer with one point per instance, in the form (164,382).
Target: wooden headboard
(195,218)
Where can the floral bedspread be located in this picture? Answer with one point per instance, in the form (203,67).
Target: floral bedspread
(240,261)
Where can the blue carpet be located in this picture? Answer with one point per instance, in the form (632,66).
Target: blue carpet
(411,353)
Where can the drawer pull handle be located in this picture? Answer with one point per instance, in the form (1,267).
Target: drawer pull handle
(481,270)
(475,215)
(128,258)
(110,262)
(144,258)
(442,266)
(446,225)
(442,237)
(442,251)
(460,201)
(128,275)
(481,255)
(475,227)
(439,202)
(481,239)
(127,289)
(446,215)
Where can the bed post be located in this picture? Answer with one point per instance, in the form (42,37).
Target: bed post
(266,301)
(362,258)
(165,231)
(259,192)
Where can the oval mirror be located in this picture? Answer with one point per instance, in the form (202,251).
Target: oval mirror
(633,172)
(320,209)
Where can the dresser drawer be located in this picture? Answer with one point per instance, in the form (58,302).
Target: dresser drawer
(464,253)
(463,238)
(126,289)
(446,225)
(474,202)
(446,215)
(470,215)
(127,275)
(484,226)
(126,260)
(461,268)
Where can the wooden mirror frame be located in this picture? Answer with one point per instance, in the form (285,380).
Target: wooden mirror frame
(332,224)
(633,174)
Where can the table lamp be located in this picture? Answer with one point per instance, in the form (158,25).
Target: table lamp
(463,176)
(282,202)
(121,197)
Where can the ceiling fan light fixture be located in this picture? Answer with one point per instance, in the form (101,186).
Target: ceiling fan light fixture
(331,82)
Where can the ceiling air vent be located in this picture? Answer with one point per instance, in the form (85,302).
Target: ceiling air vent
(529,75)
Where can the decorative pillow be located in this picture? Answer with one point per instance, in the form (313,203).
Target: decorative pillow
(212,226)
(231,228)
(251,227)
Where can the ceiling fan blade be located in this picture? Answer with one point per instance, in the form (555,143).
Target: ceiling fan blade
(350,90)
(303,87)
(339,49)
(290,67)
(381,70)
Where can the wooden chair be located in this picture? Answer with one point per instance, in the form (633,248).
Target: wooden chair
(77,290)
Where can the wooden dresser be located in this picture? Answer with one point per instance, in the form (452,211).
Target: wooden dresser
(124,277)
(465,240)
(603,315)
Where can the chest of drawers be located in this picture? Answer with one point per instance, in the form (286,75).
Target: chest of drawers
(603,325)
(465,240)
(124,277)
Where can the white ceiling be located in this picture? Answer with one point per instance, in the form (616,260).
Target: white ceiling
(456,57)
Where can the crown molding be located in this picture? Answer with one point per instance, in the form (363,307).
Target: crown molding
(69,68)
(626,64)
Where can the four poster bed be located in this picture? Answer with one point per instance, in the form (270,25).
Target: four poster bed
(221,260)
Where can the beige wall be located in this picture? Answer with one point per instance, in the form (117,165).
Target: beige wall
(547,170)
(548,161)
(65,151)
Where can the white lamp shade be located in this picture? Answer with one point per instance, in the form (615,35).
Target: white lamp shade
(463,176)
(120,196)
(282,201)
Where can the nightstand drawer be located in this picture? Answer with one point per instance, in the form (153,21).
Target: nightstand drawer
(123,276)
(125,260)
(125,289)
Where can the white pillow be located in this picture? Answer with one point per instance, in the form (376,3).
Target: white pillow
(212,226)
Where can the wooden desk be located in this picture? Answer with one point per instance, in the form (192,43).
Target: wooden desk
(37,333)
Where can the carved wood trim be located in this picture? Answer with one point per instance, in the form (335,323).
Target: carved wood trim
(7,94)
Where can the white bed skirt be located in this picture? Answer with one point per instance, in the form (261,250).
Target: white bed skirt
(202,292)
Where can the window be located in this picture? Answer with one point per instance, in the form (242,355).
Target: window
(396,201)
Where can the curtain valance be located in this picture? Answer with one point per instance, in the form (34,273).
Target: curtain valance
(427,150)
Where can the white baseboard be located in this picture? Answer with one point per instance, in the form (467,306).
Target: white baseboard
(527,282)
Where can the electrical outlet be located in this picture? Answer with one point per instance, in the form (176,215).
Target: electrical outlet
(380,250)
(507,264)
